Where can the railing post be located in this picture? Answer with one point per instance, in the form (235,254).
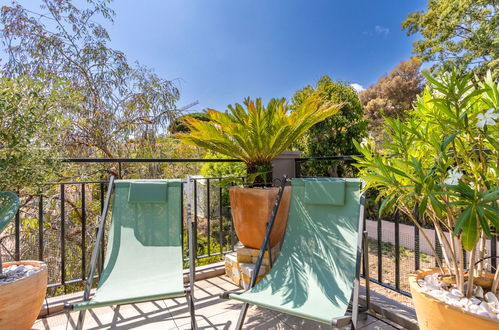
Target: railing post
(365,256)
(102,204)
(465,258)
(119,170)
(40,227)
(297,168)
(17,223)
(83,233)
(379,240)
(63,236)
(493,250)
(195,210)
(438,249)
(220,213)
(417,254)
(397,252)
(208,215)
(192,230)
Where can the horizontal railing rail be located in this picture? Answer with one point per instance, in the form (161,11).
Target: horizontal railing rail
(149,160)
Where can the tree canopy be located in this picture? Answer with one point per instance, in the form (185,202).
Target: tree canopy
(392,95)
(31,124)
(119,100)
(178,125)
(334,135)
(462,33)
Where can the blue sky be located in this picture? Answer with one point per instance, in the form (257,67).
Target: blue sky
(221,51)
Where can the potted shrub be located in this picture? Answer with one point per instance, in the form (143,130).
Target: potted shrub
(23,284)
(256,134)
(443,163)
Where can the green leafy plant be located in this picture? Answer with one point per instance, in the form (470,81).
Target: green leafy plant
(255,133)
(31,126)
(333,136)
(443,162)
(222,169)
(461,33)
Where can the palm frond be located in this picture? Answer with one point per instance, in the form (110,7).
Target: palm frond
(255,133)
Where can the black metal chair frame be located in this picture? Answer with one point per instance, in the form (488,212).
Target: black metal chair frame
(189,290)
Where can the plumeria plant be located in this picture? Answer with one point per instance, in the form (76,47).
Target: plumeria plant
(443,162)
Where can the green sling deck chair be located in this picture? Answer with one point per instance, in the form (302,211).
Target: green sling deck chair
(9,205)
(318,269)
(144,252)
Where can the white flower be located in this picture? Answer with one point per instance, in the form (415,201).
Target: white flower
(453,176)
(367,141)
(472,185)
(487,118)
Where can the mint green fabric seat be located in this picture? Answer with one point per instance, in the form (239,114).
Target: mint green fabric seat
(318,265)
(9,205)
(144,259)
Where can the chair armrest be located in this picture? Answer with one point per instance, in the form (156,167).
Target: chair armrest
(225,294)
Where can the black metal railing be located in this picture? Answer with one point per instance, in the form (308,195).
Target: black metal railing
(58,225)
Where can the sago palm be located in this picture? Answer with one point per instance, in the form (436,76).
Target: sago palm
(255,133)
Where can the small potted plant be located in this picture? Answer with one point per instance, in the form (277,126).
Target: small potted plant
(442,163)
(256,134)
(23,284)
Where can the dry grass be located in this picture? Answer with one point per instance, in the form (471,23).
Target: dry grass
(388,268)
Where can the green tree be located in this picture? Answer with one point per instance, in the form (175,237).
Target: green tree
(463,33)
(392,95)
(119,100)
(31,124)
(178,125)
(222,169)
(163,146)
(333,136)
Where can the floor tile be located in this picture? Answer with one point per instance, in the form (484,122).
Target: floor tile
(212,312)
(378,325)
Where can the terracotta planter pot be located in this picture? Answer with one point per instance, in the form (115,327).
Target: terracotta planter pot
(251,208)
(21,301)
(435,315)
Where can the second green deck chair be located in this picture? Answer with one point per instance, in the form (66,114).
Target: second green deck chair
(144,252)
(317,272)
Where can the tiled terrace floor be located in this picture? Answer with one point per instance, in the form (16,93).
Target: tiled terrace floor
(211,313)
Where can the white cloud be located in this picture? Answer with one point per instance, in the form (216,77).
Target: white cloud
(384,31)
(358,87)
